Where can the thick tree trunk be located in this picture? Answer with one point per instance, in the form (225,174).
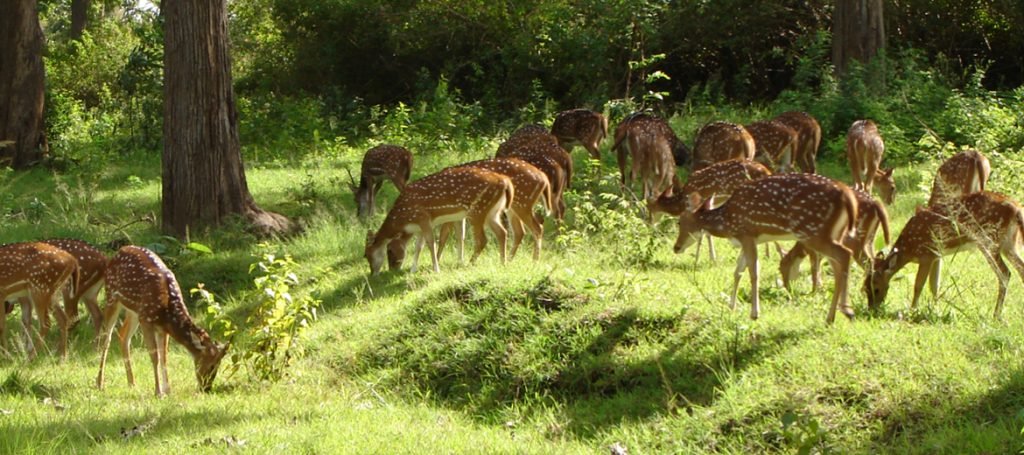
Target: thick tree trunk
(203,178)
(79,17)
(858,32)
(22,137)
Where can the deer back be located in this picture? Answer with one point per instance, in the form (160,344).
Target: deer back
(91,262)
(775,143)
(963,173)
(718,180)
(808,138)
(798,205)
(864,144)
(580,126)
(455,193)
(530,182)
(35,267)
(721,141)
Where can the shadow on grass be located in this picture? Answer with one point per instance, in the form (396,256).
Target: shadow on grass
(990,424)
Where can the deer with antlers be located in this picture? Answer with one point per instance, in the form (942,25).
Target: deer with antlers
(386,161)
(721,141)
(775,144)
(808,138)
(533,144)
(813,210)
(450,195)
(580,127)
(139,282)
(870,216)
(988,221)
(964,173)
(864,149)
(531,185)
(36,274)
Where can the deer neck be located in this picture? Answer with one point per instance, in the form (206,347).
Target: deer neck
(184,331)
(714,221)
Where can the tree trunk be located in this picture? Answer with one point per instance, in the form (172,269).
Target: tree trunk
(79,17)
(858,32)
(203,178)
(22,137)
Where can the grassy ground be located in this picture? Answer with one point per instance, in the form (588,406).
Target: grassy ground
(608,339)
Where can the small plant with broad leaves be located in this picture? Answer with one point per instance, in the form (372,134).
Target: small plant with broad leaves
(804,433)
(278,322)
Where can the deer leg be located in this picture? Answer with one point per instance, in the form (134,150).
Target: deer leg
(815,259)
(462,241)
(149,338)
(416,252)
(924,271)
(91,298)
(749,251)
(124,336)
(442,237)
(518,231)
(591,147)
(741,265)
(63,323)
(1003,274)
(26,325)
(537,229)
(500,233)
(839,258)
(711,248)
(107,327)
(479,238)
(161,348)
(427,235)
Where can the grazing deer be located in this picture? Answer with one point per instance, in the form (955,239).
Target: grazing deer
(989,221)
(808,138)
(537,147)
(814,210)
(141,284)
(36,274)
(580,127)
(383,161)
(776,144)
(864,149)
(717,182)
(91,264)
(964,173)
(870,215)
(721,141)
(648,140)
(530,185)
(450,195)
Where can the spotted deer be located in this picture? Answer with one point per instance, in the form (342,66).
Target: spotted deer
(580,127)
(988,221)
(36,274)
(139,282)
(716,182)
(775,144)
(390,162)
(451,195)
(534,145)
(652,146)
(91,265)
(870,216)
(864,150)
(531,185)
(813,210)
(808,138)
(964,173)
(721,141)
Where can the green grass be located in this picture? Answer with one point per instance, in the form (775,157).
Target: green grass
(610,338)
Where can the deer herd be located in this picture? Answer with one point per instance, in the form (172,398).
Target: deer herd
(742,185)
(750,184)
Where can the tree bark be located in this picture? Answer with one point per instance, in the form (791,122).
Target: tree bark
(22,78)
(858,32)
(79,17)
(203,177)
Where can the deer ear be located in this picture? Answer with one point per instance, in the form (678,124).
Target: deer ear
(693,201)
(888,172)
(919,209)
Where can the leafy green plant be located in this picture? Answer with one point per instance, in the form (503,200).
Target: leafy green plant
(276,325)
